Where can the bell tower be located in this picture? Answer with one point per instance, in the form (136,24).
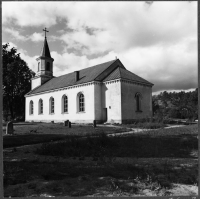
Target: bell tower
(44,65)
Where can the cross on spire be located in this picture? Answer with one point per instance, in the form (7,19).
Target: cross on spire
(45,30)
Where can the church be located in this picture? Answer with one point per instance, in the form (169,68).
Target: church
(107,93)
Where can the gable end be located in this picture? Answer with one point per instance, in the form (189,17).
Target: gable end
(109,70)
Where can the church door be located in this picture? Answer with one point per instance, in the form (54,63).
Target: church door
(104,114)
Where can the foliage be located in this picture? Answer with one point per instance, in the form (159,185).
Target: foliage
(182,105)
(147,125)
(16,82)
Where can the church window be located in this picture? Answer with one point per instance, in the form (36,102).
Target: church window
(31,107)
(48,66)
(40,106)
(138,98)
(51,105)
(38,66)
(81,103)
(65,104)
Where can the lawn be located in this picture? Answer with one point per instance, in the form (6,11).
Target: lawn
(150,163)
(27,134)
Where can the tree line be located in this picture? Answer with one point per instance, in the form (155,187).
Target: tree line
(181,105)
(16,83)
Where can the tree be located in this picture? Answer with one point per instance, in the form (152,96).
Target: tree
(183,105)
(155,105)
(16,82)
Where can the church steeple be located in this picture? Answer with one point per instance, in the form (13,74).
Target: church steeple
(45,61)
(45,49)
(45,64)
(45,52)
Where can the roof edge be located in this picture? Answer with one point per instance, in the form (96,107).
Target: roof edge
(142,83)
(57,89)
(140,77)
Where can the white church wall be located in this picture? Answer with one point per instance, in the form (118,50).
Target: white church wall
(35,82)
(73,115)
(111,99)
(129,102)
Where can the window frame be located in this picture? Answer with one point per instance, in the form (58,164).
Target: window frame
(48,66)
(64,104)
(52,105)
(138,98)
(31,107)
(80,102)
(38,66)
(41,107)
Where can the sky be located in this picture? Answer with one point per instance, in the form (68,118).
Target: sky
(155,40)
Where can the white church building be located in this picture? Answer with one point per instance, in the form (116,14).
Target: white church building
(106,92)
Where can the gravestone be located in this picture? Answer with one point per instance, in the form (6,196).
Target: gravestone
(69,124)
(9,128)
(94,124)
(66,123)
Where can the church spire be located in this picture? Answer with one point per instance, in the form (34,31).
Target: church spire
(45,52)
(44,65)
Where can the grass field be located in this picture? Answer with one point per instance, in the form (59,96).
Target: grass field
(45,132)
(144,163)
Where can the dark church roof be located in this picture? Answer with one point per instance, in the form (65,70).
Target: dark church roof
(103,72)
(126,75)
(45,52)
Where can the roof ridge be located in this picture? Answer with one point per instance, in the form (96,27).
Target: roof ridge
(106,68)
(113,74)
(85,68)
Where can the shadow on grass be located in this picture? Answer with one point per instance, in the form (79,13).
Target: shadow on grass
(69,179)
(20,140)
(137,146)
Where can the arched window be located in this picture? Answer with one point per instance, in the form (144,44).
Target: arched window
(38,66)
(31,108)
(40,106)
(138,98)
(48,66)
(64,104)
(51,105)
(81,102)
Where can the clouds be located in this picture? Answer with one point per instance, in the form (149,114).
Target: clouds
(168,67)
(28,13)
(128,25)
(157,41)
(16,35)
(37,37)
(69,62)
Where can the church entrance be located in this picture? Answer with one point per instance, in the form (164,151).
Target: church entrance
(104,114)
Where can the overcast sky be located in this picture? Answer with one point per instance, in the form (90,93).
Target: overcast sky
(157,41)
